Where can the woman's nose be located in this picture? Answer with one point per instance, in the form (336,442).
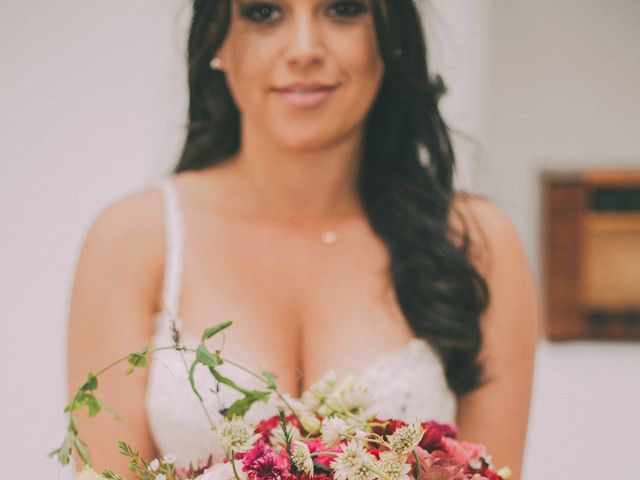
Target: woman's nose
(305,46)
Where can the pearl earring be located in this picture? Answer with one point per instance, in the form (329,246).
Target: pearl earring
(215,63)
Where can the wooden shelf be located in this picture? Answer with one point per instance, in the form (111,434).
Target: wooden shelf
(591,249)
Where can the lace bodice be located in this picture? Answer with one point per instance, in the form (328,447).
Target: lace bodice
(408,384)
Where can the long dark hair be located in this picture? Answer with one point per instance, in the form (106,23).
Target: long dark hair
(405,181)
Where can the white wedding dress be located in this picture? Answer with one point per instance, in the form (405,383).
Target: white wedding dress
(408,384)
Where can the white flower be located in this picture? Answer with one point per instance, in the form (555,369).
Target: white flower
(405,439)
(349,397)
(221,471)
(235,434)
(332,430)
(309,422)
(169,458)
(88,473)
(322,388)
(314,397)
(301,457)
(505,472)
(354,463)
(392,466)
(161,476)
(154,465)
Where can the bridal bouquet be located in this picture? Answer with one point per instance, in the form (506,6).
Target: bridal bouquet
(329,433)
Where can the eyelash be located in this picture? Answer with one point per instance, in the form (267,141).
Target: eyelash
(349,9)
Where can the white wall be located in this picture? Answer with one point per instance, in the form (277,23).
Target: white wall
(92,102)
(91,99)
(565,92)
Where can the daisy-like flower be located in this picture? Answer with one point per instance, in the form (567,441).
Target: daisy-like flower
(88,473)
(354,463)
(161,476)
(301,457)
(304,413)
(322,388)
(154,465)
(349,397)
(169,458)
(393,467)
(405,439)
(235,434)
(332,430)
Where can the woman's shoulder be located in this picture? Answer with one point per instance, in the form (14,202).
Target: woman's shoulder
(489,227)
(132,220)
(125,240)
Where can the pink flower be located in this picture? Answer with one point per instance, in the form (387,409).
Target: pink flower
(436,466)
(260,463)
(464,452)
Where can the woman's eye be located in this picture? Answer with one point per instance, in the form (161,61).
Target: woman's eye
(259,12)
(347,8)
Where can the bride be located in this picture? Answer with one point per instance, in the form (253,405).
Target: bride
(313,206)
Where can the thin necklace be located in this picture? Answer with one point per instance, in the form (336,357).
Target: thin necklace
(328,236)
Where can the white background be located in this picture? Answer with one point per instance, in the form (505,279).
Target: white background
(92,106)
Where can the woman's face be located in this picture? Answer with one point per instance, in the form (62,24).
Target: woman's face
(303,72)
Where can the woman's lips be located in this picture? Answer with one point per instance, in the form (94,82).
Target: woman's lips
(305,97)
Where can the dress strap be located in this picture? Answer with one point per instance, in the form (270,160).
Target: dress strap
(174,251)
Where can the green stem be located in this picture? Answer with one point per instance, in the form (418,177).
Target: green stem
(233,465)
(264,380)
(380,474)
(202,405)
(419,468)
(317,454)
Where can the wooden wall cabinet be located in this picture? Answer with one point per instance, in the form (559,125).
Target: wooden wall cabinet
(591,254)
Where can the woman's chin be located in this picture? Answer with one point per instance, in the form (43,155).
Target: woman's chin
(301,140)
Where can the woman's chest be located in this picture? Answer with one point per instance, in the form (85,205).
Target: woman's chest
(299,307)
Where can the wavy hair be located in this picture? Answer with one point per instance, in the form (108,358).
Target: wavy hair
(405,181)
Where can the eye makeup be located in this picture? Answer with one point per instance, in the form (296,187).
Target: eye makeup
(263,12)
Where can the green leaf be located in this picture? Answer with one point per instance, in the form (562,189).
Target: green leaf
(110,475)
(90,384)
(207,358)
(126,449)
(109,409)
(82,450)
(64,452)
(241,406)
(138,359)
(79,401)
(72,426)
(192,381)
(93,404)
(271,379)
(210,332)
(227,381)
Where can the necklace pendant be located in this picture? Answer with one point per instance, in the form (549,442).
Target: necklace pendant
(329,237)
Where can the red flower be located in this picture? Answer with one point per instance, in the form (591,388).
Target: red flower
(491,475)
(266,426)
(446,429)
(260,463)
(390,426)
(315,445)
